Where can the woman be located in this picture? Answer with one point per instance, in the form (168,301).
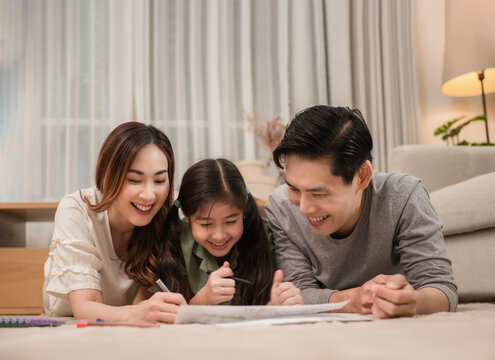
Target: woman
(101,256)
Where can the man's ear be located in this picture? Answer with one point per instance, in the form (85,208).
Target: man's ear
(364,174)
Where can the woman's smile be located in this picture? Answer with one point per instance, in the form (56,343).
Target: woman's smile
(142,209)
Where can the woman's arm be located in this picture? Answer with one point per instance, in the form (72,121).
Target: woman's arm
(159,308)
(141,294)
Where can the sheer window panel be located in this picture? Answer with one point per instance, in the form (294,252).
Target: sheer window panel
(228,59)
(209,64)
(62,114)
(193,68)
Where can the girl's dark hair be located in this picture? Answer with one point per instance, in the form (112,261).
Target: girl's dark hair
(337,134)
(208,182)
(114,161)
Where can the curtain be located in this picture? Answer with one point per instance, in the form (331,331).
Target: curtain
(214,63)
(375,69)
(70,71)
(54,96)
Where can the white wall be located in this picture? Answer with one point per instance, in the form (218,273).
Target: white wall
(435,107)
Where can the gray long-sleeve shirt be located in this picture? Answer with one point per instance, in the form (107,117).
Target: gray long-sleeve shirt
(398,232)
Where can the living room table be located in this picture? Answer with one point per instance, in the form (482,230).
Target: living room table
(466,334)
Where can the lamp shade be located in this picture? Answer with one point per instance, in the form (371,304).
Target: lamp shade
(469,47)
(468,84)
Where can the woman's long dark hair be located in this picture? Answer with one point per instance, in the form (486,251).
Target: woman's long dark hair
(208,182)
(114,161)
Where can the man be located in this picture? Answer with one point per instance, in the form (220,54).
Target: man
(344,232)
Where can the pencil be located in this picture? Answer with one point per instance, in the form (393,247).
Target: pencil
(162,286)
(235,278)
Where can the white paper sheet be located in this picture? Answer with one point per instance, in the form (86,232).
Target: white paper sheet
(214,314)
(300,319)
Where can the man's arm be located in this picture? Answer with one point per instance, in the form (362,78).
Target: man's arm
(388,296)
(428,285)
(289,255)
(420,245)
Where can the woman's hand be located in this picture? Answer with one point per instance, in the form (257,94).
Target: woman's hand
(159,308)
(162,307)
(218,289)
(141,294)
(284,293)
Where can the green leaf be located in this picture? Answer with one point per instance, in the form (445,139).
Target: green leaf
(445,127)
(455,131)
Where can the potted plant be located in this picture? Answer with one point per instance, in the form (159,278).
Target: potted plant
(270,133)
(451,129)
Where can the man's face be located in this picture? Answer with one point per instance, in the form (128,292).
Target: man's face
(330,205)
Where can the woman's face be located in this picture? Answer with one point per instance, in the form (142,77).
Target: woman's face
(217,228)
(145,189)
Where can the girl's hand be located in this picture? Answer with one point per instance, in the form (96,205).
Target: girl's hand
(284,293)
(162,307)
(218,289)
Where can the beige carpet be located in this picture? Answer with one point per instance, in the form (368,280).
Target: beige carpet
(467,334)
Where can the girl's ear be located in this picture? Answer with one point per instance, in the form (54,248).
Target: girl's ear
(365,174)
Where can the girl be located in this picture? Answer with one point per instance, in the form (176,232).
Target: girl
(104,239)
(223,235)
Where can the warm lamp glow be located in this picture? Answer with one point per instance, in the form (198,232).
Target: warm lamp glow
(469,84)
(469,55)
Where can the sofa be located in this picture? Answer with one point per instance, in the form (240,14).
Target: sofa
(461,184)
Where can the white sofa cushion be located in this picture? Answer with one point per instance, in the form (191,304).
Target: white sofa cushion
(466,206)
(440,166)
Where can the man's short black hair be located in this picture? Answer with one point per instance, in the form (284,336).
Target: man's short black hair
(337,134)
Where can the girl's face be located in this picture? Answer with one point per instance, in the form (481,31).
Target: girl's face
(217,228)
(144,191)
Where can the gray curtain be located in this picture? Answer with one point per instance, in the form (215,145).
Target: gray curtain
(371,59)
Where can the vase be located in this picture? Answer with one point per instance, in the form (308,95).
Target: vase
(258,183)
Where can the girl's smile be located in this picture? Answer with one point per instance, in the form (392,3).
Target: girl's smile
(217,227)
(219,246)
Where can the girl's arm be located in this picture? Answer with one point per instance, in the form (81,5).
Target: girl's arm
(160,308)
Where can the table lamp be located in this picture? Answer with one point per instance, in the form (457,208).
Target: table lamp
(469,58)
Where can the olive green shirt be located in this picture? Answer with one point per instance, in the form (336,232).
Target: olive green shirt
(197,261)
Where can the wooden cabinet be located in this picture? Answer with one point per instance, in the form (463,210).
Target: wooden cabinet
(26,224)
(25,233)
(21,280)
